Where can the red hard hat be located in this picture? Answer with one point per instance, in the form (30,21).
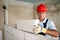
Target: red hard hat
(41,8)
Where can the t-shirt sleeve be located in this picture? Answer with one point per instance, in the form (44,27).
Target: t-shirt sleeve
(51,25)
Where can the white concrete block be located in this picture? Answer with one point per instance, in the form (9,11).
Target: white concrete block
(26,25)
(36,37)
(6,38)
(18,34)
(8,28)
(17,38)
(14,33)
(13,37)
(8,35)
(32,37)
(0,35)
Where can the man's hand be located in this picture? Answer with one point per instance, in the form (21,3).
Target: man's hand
(37,29)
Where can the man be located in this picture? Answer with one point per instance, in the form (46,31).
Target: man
(43,25)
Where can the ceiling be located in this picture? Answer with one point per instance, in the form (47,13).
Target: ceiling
(31,1)
(34,1)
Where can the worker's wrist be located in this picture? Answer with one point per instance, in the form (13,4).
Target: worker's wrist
(44,30)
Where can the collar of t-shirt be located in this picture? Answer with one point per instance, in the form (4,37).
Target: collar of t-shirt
(38,21)
(41,23)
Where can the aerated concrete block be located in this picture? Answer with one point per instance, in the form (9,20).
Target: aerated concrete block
(0,35)
(8,28)
(18,34)
(26,25)
(29,36)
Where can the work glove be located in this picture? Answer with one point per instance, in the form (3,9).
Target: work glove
(37,29)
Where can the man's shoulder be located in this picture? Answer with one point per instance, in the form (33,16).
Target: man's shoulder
(50,21)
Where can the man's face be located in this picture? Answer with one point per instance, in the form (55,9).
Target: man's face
(41,15)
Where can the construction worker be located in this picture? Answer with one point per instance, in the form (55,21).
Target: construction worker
(43,25)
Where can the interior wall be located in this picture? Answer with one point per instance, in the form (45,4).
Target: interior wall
(1,15)
(2,19)
(19,11)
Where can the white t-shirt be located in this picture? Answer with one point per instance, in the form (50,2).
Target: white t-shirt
(50,24)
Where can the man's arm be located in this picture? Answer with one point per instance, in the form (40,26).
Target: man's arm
(52,33)
(52,29)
